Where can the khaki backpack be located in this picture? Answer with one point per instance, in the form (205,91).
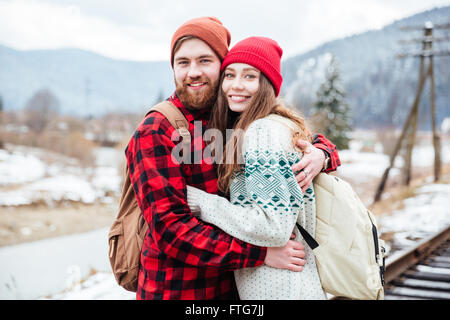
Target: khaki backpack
(350,255)
(348,252)
(128,231)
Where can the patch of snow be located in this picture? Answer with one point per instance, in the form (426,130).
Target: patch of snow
(53,189)
(64,187)
(427,212)
(35,181)
(364,165)
(100,286)
(445,126)
(107,179)
(13,198)
(16,168)
(109,157)
(423,155)
(367,165)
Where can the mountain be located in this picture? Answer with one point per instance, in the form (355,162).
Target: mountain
(85,83)
(380,88)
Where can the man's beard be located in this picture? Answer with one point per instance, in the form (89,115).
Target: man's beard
(197,100)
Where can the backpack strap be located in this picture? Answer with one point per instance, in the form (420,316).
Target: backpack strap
(175,117)
(312,243)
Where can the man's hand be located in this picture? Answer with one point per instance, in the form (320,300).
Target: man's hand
(289,257)
(309,166)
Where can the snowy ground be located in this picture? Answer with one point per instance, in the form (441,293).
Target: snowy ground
(424,213)
(427,212)
(369,165)
(60,268)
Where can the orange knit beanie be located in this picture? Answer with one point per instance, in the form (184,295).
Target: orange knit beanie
(208,29)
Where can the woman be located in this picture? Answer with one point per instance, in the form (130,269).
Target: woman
(247,102)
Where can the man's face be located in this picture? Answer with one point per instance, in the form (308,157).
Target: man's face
(197,70)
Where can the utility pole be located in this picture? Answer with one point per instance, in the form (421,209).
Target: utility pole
(410,127)
(87,94)
(1,123)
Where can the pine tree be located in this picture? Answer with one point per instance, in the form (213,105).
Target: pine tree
(331,114)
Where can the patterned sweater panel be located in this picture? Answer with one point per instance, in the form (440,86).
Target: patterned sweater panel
(267,181)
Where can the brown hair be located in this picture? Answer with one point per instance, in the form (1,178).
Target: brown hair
(261,105)
(180,42)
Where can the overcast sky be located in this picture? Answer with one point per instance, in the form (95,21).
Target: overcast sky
(142,29)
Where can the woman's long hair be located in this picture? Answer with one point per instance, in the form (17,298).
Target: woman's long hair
(263,103)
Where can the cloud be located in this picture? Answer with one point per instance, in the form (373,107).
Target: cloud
(29,24)
(141,29)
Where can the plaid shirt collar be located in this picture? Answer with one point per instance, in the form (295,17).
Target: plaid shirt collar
(191,114)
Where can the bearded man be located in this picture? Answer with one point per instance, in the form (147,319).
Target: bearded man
(183,257)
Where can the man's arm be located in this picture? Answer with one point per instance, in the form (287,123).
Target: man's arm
(322,143)
(161,194)
(313,161)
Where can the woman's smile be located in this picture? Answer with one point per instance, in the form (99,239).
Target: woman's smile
(238,98)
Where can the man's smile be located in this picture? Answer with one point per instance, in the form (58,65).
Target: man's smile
(197,85)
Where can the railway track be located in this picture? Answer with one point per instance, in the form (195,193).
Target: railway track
(421,272)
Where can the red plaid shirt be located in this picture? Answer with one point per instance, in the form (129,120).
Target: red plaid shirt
(182,257)
(319,141)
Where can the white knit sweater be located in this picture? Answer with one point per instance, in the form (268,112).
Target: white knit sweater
(265,203)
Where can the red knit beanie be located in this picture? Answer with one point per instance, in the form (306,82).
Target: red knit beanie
(207,29)
(260,52)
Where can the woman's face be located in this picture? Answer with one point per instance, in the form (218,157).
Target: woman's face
(240,84)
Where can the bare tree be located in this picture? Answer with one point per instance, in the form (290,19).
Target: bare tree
(40,109)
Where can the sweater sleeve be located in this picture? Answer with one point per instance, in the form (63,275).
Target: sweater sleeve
(274,198)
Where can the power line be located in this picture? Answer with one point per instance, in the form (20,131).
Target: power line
(425,39)
(427,25)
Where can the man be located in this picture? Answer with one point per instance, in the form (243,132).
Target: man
(183,257)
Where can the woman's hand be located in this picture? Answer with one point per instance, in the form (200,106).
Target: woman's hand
(309,166)
(289,257)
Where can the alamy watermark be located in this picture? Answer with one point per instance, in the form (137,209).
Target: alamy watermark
(192,152)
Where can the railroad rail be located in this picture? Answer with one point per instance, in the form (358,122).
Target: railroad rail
(420,272)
